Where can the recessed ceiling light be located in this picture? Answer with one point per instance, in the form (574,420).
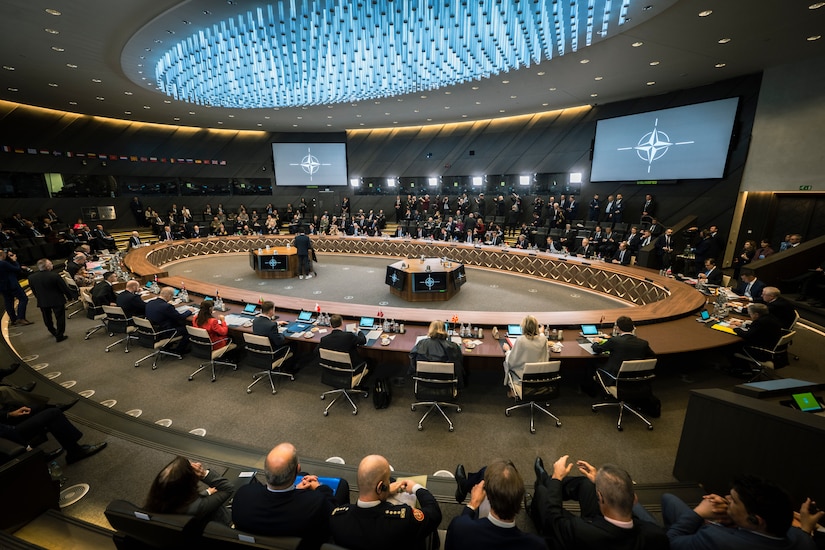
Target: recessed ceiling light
(584,61)
(386,114)
(545,104)
(220,122)
(475,87)
(13,89)
(463,116)
(705,13)
(146,107)
(51,11)
(651,83)
(127,112)
(97,80)
(357,116)
(58,49)
(71,65)
(541,73)
(513,96)
(100,98)
(259,124)
(52,31)
(53,84)
(185,22)
(723,40)
(647,8)
(158,41)
(594,95)
(267,117)
(299,117)
(423,97)
(637,44)
(399,101)
(552,89)
(501,111)
(429,120)
(170,32)
(478,103)
(598,78)
(446,106)
(329,116)
(654,63)
(327,125)
(167,101)
(720,65)
(191,112)
(231,116)
(448,93)
(359,124)
(8,67)
(73,103)
(814,37)
(816,5)
(207,12)
(505,81)
(176,118)
(416,111)
(376,102)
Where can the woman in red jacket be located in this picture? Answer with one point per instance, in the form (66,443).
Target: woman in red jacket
(217,328)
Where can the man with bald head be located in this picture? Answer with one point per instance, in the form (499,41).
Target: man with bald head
(164,316)
(375,524)
(130,301)
(282,508)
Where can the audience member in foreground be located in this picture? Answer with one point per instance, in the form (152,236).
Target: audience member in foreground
(375,524)
(610,516)
(282,508)
(176,491)
(756,515)
(504,488)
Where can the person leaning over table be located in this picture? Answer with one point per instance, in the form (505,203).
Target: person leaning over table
(530,347)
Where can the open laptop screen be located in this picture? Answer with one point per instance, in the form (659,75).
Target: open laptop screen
(513,330)
(250,308)
(367,322)
(590,330)
(305,316)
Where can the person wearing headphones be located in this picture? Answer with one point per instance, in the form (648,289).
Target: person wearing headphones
(373,523)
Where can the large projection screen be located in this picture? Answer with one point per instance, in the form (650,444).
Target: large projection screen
(310,164)
(688,142)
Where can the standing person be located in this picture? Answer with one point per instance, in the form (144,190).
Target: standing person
(530,347)
(51,292)
(648,209)
(10,272)
(137,211)
(375,524)
(303,245)
(595,209)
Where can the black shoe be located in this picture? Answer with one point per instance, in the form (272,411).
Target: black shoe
(66,406)
(11,370)
(541,473)
(461,483)
(84,451)
(61,337)
(51,455)
(28,387)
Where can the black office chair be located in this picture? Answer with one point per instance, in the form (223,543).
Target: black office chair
(338,371)
(260,354)
(436,386)
(137,528)
(539,381)
(117,323)
(204,348)
(217,536)
(763,361)
(631,383)
(156,340)
(92,312)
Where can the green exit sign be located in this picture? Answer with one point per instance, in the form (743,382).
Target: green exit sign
(804,187)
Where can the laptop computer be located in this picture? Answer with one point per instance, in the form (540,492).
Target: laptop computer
(513,331)
(305,316)
(251,310)
(366,323)
(589,331)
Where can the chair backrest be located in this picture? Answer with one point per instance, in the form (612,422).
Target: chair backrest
(435,380)
(540,379)
(92,311)
(260,352)
(337,369)
(795,320)
(785,340)
(154,530)
(116,320)
(338,360)
(200,341)
(726,281)
(216,535)
(639,367)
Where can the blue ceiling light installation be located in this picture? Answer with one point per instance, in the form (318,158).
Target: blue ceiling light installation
(295,53)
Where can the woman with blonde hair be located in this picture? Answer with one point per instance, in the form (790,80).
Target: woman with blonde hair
(530,347)
(439,348)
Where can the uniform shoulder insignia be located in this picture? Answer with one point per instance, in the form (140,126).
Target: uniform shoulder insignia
(341,510)
(418,514)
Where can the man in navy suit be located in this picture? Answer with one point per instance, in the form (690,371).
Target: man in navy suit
(130,302)
(283,509)
(625,346)
(339,340)
(265,325)
(164,316)
(751,287)
(712,275)
(504,488)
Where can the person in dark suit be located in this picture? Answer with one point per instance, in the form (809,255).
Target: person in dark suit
(504,488)
(610,517)
(779,307)
(586,250)
(624,346)
(103,293)
(102,239)
(750,287)
(763,331)
(757,515)
(196,232)
(712,275)
(339,340)
(265,325)
(10,289)
(664,248)
(595,209)
(648,208)
(166,234)
(282,508)
(51,292)
(303,244)
(134,240)
(622,255)
(130,301)
(373,523)
(164,316)
(77,262)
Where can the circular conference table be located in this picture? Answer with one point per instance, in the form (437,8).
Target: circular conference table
(425,279)
(663,308)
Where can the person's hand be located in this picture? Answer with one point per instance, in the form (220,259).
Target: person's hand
(477,495)
(222,318)
(561,468)
(808,520)
(735,322)
(308,482)
(198,468)
(505,347)
(587,469)
(22,411)
(711,507)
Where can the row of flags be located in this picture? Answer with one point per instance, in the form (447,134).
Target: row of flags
(105,156)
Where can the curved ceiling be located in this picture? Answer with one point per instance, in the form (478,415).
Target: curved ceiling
(92,56)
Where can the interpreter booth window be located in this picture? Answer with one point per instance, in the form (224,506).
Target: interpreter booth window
(22,185)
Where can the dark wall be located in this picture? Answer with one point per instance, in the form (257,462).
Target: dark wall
(557,142)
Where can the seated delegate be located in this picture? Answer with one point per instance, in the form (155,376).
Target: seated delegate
(175,490)
(530,347)
(438,348)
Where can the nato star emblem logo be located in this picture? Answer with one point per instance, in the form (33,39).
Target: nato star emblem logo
(310,163)
(653,145)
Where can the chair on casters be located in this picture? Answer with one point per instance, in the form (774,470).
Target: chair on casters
(793,327)
(92,312)
(338,371)
(156,340)
(436,386)
(75,292)
(204,348)
(631,382)
(539,381)
(763,360)
(117,323)
(260,354)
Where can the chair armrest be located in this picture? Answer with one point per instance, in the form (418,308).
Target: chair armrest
(166,331)
(607,374)
(226,339)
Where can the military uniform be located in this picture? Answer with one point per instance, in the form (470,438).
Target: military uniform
(386,525)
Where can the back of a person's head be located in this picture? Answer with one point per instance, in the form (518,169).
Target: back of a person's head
(437,330)
(174,487)
(615,487)
(529,326)
(281,466)
(267,306)
(767,500)
(505,489)
(335,320)
(625,323)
